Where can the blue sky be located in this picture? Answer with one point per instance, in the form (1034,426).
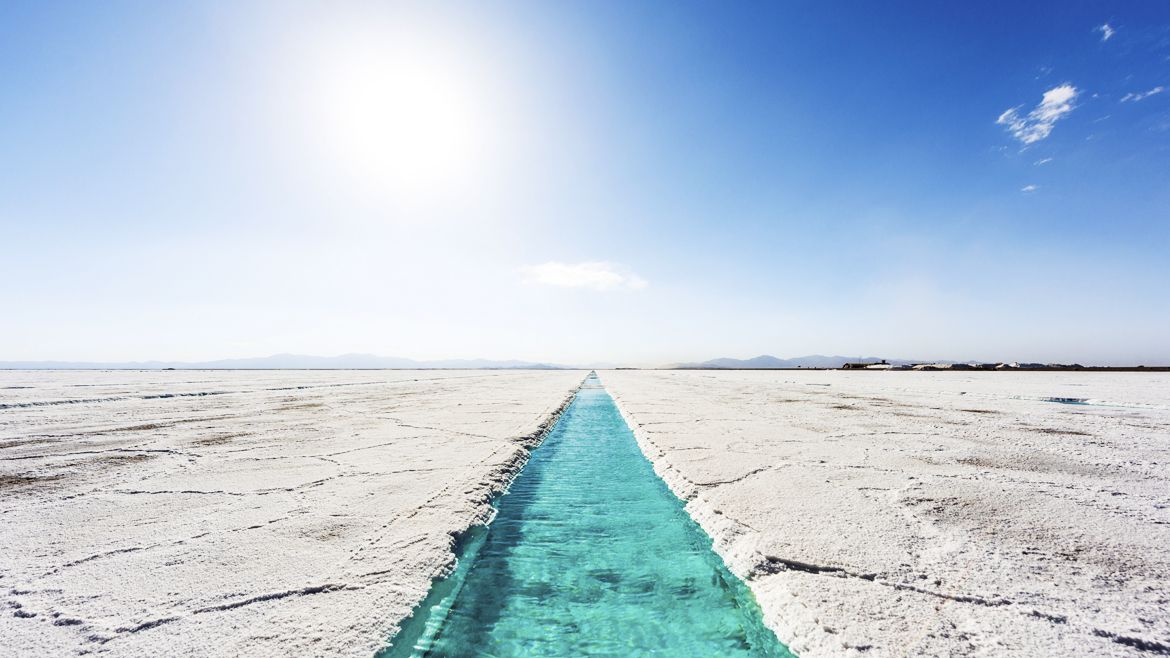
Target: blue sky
(626,182)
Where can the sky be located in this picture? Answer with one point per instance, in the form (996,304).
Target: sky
(636,183)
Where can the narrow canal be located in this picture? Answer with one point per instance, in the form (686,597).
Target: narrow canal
(590,554)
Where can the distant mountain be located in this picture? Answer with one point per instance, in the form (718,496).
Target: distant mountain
(285,361)
(764,362)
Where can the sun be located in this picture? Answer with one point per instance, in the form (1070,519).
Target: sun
(396,116)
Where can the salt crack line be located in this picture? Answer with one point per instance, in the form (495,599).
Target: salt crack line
(165,451)
(51,403)
(146,625)
(275,596)
(272,596)
(1151,646)
(715,483)
(774,565)
(153,396)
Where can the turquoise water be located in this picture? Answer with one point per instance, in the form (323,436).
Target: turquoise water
(590,554)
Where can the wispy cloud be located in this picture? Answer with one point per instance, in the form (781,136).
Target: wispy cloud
(1134,97)
(1106,31)
(1037,124)
(1029,188)
(593,275)
(1042,161)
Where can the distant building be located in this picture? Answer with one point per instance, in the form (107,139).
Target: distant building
(882,365)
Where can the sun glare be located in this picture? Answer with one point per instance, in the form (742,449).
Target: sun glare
(399,118)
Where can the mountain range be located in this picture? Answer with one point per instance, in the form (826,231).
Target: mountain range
(765,362)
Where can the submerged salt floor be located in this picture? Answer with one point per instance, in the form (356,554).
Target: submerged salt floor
(245,513)
(590,555)
(907,513)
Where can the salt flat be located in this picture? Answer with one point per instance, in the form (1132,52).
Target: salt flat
(244,513)
(898,513)
(305,513)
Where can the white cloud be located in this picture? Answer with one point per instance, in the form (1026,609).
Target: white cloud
(594,275)
(1037,124)
(1106,31)
(1042,161)
(1029,188)
(1133,97)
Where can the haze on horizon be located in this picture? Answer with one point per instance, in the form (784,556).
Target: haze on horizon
(628,183)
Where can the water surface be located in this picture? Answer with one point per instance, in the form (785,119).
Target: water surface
(590,554)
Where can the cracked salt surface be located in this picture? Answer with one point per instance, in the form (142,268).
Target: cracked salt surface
(300,513)
(307,512)
(893,514)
